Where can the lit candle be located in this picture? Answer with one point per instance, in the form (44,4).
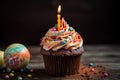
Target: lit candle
(58,16)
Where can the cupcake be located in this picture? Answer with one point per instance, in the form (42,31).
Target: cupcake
(62,50)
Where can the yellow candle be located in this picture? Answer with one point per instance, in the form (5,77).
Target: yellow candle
(58,16)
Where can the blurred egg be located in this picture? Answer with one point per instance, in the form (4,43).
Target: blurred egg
(16,56)
(2,64)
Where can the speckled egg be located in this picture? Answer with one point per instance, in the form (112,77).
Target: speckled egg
(16,56)
(2,64)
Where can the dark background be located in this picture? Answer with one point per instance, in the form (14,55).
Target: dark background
(27,21)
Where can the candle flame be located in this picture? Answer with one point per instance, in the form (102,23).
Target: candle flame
(59,8)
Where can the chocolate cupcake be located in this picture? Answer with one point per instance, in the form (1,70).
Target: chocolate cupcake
(62,50)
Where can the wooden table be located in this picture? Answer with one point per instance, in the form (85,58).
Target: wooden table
(106,55)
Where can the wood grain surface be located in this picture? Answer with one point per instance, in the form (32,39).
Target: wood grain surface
(105,55)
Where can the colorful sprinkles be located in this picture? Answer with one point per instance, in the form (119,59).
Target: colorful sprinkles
(8,70)
(11,74)
(90,64)
(92,70)
(105,74)
(16,75)
(29,75)
(20,78)
(93,73)
(31,70)
(21,70)
(56,33)
(6,76)
(70,29)
(49,46)
(53,29)
(63,42)
(64,33)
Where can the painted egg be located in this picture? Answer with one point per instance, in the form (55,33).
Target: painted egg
(2,64)
(16,56)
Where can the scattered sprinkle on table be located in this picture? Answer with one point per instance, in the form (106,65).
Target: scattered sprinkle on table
(11,75)
(105,74)
(6,76)
(29,75)
(90,64)
(19,78)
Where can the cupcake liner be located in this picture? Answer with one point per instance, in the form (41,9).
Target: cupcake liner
(61,65)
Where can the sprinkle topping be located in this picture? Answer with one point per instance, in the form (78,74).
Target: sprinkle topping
(63,42)
(53,29)
(70,28)
(65,38)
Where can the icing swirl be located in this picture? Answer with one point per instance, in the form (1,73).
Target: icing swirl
(66,38)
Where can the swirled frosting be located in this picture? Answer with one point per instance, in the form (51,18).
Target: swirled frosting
(66,38)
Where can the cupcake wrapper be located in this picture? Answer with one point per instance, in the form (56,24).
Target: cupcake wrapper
(62,65)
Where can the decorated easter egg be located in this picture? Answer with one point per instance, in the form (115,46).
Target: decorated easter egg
(16,56)
(2,64)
